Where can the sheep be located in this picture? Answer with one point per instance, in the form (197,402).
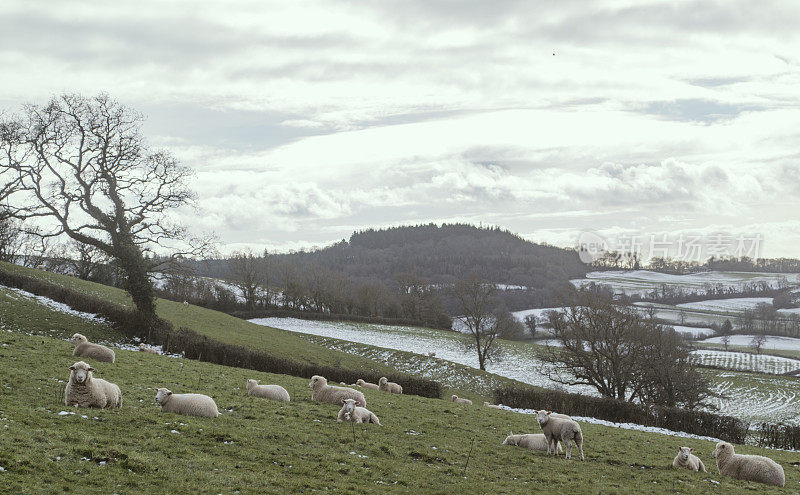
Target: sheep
(322,392)
(387,386)
(493,406)
(185,303)
(146,349)
(273,392)
(84,348)
(362,383)
(84,390)
(189,404)
(531,441)
(351,412)
(748,467)
(685,459)
(458,399)
(563,429)
(41,267)
(431,354)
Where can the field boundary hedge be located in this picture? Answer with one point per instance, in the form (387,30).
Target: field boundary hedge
(203,348)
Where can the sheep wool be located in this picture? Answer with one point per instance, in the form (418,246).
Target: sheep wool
(189,404)
(530,441)
(493,406)
(748,467)
(85,390)
(563,429)
(685,459)
(273,392)
(458,399)
(387,386)
(146,349)
(322,392)
(84,348)
(351,412)
(362,383)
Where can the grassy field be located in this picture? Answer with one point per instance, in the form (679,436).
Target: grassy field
(268,447)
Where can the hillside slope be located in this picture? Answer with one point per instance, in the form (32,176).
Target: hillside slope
(259,446)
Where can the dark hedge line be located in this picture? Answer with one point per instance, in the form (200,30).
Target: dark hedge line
(308,315)
(779,436)
(201,347)
(695,422)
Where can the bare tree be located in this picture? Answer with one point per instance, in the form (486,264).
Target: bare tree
(476,298)
(249,275)
(84,171)
(85,260)
(758,341)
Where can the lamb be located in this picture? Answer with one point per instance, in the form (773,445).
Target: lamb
(563,429)
(362,383)
(387,386)
(189,404)
(322,392)
(748,467)
(458,399)
(351,412)
(146,349)
(84,390)
(685,459)
(84,348)
(273,392)
(493,406)
(530,441)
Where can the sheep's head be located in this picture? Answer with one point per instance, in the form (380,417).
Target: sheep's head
(163,395)
(142,346)
(542,416)
(383,381)
(454,397)
(511,439)
(80,372)
(360,382)
(722,448)
(77,339)
(251,383)
(684,452)
(318,381)
(349,405)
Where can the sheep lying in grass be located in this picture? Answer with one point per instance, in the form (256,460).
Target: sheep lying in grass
(273,392)
(84,390)
(685,459)
(387,386)
(458,399)
(351,412)
(362,383)
(146,349)
(84,348)
(493,406)
(322,392)
(189,404)
(748,467)
(563,429)
(531,441)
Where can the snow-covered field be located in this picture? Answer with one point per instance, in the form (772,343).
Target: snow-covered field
(783,343)
(759,398)
(695,332)
(743,361)
(733,305)
(537,312)
(638,281)
(519,361)
(54,305)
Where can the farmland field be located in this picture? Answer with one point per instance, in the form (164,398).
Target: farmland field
(742,361)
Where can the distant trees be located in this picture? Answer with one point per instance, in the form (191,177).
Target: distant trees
(477,303)
(249,273)
(81,169)
(725,331)
(758,341)
(530,325)
(622,354)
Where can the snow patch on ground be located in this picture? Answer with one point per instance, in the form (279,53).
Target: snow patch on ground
(54,305)
(733,305)
(781,343)
(743,361)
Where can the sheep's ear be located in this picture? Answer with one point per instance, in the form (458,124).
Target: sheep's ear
(91,369)
(691,450)
(169,393)
(72,368)
(343,400)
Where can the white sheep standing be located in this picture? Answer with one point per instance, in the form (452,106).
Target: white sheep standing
(531,441)
(351,412)
(748,467)
(387,386)
(458,399)
(84,390)
(189,404)
(493,406)
(563,429)
(273,392)
(685,459)
(322,392)
(84,348)
(362,383)
(146,349)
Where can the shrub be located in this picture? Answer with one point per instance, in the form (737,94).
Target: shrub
(779,436)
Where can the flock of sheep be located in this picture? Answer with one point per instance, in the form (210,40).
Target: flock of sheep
(86,390)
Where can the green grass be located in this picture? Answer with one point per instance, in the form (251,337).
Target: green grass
(259,446)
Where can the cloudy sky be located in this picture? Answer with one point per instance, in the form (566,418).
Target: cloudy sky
(307,120)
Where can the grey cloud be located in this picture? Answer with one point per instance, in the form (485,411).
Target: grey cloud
(695,110)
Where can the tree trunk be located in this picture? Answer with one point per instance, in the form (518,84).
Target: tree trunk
(137,282)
